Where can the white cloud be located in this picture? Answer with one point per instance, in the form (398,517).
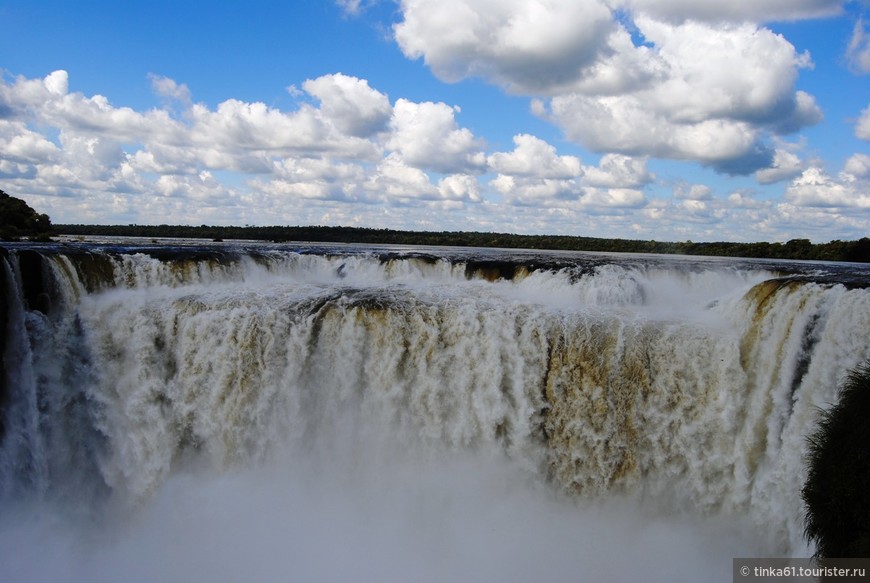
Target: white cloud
(613,197)
(850,188)
(533,173)
(715,92)
(169,89)
(618,171)
(201,186)
(528,46)
(350,7)
(519,190)
(239,126)
(396,180)
(733,10)
(355,108)
(57,83)
(426,136)
(693,192)
(625,124)
(862,128)
(743,200)
(858,167)
(705,85)
(344,155)
(19,144)
(534,157)
(460,187)
(858,51)
(786,165)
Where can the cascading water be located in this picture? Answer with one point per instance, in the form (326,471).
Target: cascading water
(568,402)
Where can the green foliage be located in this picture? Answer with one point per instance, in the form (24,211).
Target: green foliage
(18,220)
(837,490)
(794,249)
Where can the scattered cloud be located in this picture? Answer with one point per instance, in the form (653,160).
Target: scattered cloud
(347,154)
(862,128)
(858,51)
(169,89)
(351,7)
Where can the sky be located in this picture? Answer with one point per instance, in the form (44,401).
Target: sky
(669,120)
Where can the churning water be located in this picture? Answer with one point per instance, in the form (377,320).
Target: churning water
(319,413)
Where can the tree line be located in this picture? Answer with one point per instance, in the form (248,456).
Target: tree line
(858,251)
(19,221)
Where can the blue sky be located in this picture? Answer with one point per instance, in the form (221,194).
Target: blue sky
(643,119)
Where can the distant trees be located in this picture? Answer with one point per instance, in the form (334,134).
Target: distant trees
(18,220)
(837,489)
(794,249)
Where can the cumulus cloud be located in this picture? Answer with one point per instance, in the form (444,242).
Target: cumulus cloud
(526,46)
(355,108)
(850,188)
(715,92)
(350,145)
(427,136)
(239,125)
(521,190)
(460,187)
(858,167)
(57,83)
(786,165)
(19,144)
(533,173)
(618,171)
(695,192)
(345,155)
(396,180)
(708,85)
(534,157)
(48,100)
(613,197)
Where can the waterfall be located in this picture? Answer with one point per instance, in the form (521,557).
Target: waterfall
(685,386)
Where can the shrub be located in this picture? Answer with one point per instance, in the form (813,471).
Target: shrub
(837,490)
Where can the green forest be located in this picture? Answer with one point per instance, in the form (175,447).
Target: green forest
(858,251)
(19,221)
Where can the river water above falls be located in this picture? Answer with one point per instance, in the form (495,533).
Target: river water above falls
(239,411)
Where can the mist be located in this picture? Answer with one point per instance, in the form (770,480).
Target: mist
(459,517)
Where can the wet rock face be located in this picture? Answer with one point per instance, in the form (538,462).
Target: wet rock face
(35,287)
(837,490)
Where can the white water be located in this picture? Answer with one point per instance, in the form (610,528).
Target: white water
(324,418)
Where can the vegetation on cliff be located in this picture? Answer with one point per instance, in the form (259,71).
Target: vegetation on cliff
(18,220)
(837,489)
